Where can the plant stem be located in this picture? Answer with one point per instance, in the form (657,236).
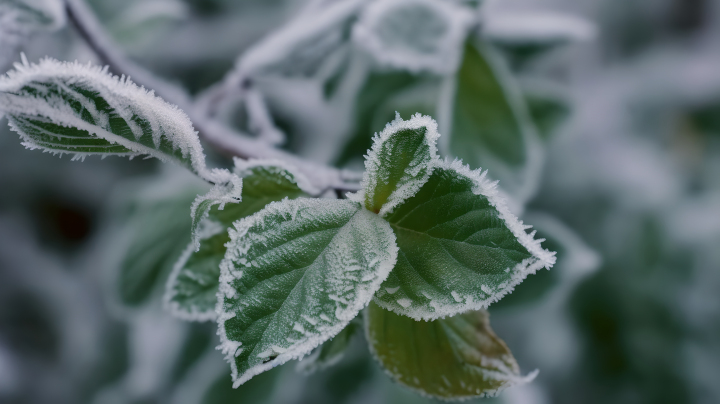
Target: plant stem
(219,136)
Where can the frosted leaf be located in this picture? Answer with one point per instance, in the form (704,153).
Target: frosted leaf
(464,355)
(83,110)
(460,247)
(192,287)
(329,353)
(490,124)
(415,35)
(399,162)
(295,274)
(20,19)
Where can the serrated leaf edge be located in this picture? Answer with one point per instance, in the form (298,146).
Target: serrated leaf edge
(541,258)
(175,309)
(399,195)
(229,347)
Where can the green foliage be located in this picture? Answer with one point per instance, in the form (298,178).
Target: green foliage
(490,126)
(453,358)
(295,274)
(193,285)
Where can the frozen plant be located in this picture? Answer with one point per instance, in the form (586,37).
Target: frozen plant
(288,253)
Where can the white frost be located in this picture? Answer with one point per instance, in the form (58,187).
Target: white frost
(413,181)
(127,101)
(540,257)
(363,238)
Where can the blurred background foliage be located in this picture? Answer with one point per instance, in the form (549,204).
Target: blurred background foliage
(629,197)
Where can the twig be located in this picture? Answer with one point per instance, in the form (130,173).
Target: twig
(212,132)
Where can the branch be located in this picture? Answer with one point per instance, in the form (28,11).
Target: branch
(214,133)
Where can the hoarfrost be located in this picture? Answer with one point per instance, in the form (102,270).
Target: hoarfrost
(74,95)
(338,234)
(379,158)
(441,305)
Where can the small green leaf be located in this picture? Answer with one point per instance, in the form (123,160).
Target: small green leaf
(84,110)
(460,247)
(192,287)
(490,124)
(399,162)
(458,357)
(295,274)
(331,352)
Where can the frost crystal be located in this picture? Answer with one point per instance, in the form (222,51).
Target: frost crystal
(399,163)
(82,109)
(460,247)
(294,275)
(416,35)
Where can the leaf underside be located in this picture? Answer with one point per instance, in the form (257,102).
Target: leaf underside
(295,274)
(453,358)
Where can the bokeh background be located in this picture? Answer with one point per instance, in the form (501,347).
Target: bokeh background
(629,196)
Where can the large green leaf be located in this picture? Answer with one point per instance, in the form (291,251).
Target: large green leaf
(294,275)
(192,287)
(460,247)
(399,162)
(457,357)
(83,110)
(491,127)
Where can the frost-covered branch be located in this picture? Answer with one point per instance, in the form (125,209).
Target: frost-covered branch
(219,136)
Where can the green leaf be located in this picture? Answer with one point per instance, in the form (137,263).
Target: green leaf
(83,110)
(457,357)
(399,162)
(192,287)
(490,125)
(460,247)
(295,274)
(331,352)
(159,231)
